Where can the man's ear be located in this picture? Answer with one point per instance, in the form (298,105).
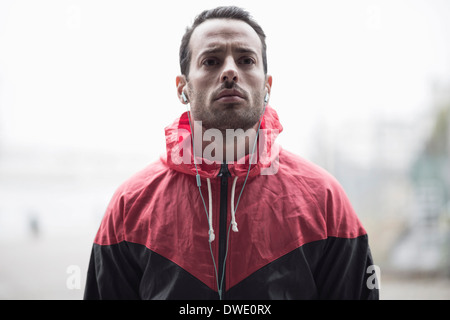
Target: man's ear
(181,83)
(268,83)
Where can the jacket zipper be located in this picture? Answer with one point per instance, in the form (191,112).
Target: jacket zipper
(224,174)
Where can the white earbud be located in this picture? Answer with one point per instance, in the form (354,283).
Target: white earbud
(266,98)
(184,97)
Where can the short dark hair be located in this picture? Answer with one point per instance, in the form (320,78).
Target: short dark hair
(230,12)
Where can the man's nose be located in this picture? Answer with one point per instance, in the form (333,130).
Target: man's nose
(229,71)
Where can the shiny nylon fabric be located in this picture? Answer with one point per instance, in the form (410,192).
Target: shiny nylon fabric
(292,204)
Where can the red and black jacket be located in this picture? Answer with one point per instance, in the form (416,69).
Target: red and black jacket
(298,236)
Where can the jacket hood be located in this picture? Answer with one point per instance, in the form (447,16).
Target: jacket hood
(179,154)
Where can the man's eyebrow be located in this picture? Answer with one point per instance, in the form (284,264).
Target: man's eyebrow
(211,50)
(244,49)
(220,49)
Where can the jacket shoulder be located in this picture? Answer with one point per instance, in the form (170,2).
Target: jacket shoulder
(326,192)
(128,195)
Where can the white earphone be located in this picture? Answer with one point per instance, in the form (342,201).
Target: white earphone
(184,97)
(266,98)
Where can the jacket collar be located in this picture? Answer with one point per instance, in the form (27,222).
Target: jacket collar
(179,150)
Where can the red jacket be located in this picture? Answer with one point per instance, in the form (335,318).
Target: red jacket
(298,236)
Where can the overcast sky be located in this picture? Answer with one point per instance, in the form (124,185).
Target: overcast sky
(100,75)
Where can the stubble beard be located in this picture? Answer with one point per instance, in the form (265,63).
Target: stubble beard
(229,116)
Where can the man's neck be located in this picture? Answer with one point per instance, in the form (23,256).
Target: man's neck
(228,145)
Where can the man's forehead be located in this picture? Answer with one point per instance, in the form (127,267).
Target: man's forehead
(216,32)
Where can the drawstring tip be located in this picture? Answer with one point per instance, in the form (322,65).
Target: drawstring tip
(212,236)
(234,227)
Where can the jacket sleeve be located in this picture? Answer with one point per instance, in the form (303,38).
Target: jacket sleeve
(346,271)
(346,268)
(112,274)
(113,271)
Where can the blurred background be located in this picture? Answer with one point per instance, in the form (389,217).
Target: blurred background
(362,88)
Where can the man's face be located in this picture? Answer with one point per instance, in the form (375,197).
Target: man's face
(226,83)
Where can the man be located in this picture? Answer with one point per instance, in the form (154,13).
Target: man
(166,233)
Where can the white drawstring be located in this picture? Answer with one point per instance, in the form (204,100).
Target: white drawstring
(233,214)
(211,230)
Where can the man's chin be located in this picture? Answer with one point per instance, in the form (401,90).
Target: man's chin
(228,116)
(230,106)
(233,125)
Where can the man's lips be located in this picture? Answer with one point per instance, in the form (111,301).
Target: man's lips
(230,95)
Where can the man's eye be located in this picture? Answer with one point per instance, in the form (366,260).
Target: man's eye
(210,62)
(247,60)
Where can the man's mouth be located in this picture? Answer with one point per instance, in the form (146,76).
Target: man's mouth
(230,96)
